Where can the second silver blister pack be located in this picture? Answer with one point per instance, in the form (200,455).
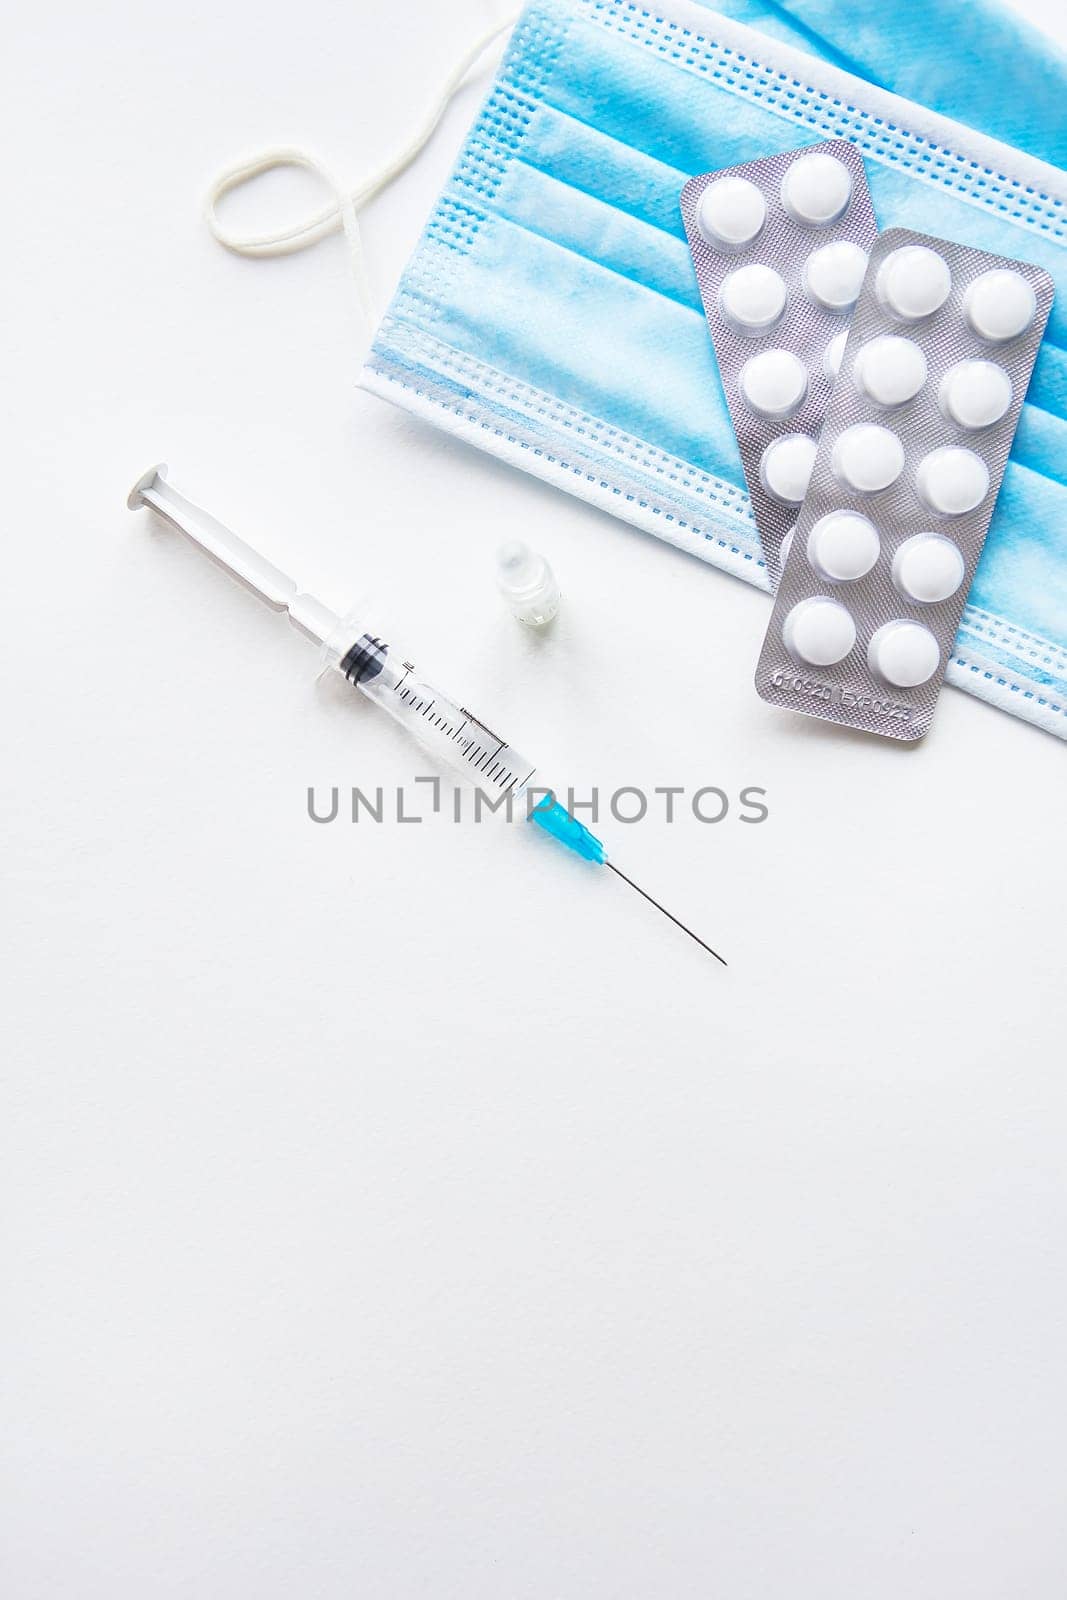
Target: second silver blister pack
(937,362)
(780,248)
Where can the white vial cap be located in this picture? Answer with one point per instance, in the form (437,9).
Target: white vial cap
(843,546)
(774,383)
(868,457)
(928,568)
(752,298)
(1000,305)
(835,350)
(904,653)
(913,282)
(527,583)
(975,394)
(785,467)
(952,480)
(890,370)
(816,189)
(819,631)
(731,212)
(833,275)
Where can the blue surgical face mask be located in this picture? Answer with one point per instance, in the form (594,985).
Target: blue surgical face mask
(550,313)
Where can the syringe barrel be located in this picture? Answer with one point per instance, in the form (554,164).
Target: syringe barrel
(447,730)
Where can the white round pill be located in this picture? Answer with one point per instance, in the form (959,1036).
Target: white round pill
(774,383)
(975,394)
(816,189)
(952,480)
(785,467)
(868,457)
(819,631)
(913,282)
(752,298)
(831,361)
(787,545)
(731,213)
(843,546)
(904,653)
(928,568)
(889,370)
(833,275)
(1000,305)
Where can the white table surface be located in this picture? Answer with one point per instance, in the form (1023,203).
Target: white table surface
(410,1211)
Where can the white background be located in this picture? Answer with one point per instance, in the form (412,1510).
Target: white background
(411,1211)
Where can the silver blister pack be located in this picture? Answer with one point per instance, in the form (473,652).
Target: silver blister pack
(780,248)
(937,361)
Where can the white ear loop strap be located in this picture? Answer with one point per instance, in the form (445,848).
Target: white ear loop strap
(341,213)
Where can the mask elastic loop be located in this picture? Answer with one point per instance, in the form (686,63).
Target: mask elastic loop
(341,213)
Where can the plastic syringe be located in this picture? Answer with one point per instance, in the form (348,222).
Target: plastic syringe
(445,728)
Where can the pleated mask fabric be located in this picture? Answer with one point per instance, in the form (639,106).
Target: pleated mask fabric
(550,312)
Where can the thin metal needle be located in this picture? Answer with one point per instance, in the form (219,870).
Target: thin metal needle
(666,913)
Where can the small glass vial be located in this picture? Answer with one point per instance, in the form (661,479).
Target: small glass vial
(527,583)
